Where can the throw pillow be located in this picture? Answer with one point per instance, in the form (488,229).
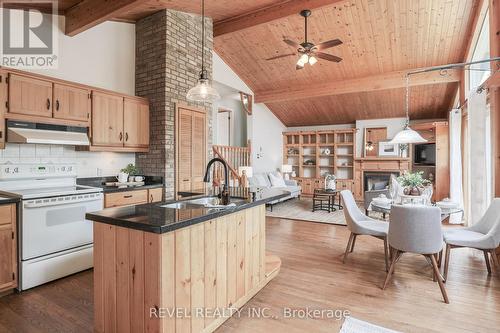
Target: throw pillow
(277,180)
(260,181)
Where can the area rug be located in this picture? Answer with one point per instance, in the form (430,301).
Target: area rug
(353,325)
(295,209)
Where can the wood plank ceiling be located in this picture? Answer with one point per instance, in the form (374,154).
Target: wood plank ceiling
(379,37)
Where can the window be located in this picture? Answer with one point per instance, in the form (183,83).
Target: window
(481,51)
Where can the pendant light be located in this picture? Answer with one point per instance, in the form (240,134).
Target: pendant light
(407,135)
(203,91)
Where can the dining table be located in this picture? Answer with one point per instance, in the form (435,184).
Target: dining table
(384,207)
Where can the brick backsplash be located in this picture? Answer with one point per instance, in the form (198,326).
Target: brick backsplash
(168,61)
(89,164)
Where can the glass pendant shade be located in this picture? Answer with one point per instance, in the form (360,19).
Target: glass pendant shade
(203,92)
(407,135)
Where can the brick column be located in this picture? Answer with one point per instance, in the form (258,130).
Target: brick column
(168,61)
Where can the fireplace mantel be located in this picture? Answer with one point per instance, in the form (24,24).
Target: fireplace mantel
(374,164)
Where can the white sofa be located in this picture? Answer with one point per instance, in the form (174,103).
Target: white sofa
(262,180)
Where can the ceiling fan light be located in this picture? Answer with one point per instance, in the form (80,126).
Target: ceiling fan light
(312,60)
(203,92)
(304,58)
(300,63)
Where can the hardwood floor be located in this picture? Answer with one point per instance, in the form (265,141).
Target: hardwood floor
(312,276)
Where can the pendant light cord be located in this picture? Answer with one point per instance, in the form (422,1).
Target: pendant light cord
(203,73)
(407,103)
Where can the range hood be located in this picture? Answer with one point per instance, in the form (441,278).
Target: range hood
(25,132)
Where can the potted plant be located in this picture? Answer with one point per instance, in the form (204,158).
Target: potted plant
(131,170)
(413,183)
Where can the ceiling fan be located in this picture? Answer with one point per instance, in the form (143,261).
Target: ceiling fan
(308,52)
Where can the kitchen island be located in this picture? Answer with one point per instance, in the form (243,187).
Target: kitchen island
(178,266)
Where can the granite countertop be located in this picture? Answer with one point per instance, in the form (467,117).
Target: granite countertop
(149,182)
(8,200)
(156,218)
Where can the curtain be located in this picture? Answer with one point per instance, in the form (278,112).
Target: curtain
(465,164)
(456,190)
(479,156)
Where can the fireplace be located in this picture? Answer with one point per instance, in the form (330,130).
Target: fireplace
(377,180)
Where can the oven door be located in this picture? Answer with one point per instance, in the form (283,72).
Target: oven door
(50,225)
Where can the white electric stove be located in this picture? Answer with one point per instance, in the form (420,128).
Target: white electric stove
(55,238)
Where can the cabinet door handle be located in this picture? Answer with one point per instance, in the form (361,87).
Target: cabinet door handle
(128,196)
(151,198)
(57,105)
(121,136)
(185,180)
(48,103)
(126,136)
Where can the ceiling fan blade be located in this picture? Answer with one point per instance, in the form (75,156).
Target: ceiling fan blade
(297,67)
(328,44)
(291,42)
(281,56)
(328,57)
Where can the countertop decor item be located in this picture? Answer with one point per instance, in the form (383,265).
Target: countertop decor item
(309,162)
(203,91)
(130,169)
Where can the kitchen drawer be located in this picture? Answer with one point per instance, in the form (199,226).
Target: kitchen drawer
(155,194)
(125,198)
(6,213)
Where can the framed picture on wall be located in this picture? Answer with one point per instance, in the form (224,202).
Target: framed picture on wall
(387,149)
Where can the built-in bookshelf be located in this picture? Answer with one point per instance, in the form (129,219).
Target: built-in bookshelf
(313,154)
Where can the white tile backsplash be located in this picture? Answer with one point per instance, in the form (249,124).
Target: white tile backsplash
(42,150)
(89,164)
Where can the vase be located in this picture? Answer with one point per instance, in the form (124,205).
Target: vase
(412,190)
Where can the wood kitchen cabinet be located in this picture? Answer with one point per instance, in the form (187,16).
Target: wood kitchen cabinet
(3,106)
(119,123)
(155,195)
(30,96)
(115,122)
(191,150)
(136,122)
(126,198)
(8,247)
(133,197)
(71,102)
(107,119)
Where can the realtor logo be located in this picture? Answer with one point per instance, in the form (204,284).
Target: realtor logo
(29,37)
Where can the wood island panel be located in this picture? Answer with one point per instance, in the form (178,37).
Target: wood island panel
(213,265)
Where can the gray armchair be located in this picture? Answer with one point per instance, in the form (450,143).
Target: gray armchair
(369,195)
(416,229)
(483,236)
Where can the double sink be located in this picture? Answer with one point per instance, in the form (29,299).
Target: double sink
(206,202)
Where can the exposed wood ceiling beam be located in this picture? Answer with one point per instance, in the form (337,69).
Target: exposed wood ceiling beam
(90,13)
(267,14)
(393,80)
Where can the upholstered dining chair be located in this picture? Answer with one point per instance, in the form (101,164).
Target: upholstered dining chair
(483,236)
(416,229)
(360,224)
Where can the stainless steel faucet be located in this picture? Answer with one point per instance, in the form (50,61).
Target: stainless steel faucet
(224,194)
